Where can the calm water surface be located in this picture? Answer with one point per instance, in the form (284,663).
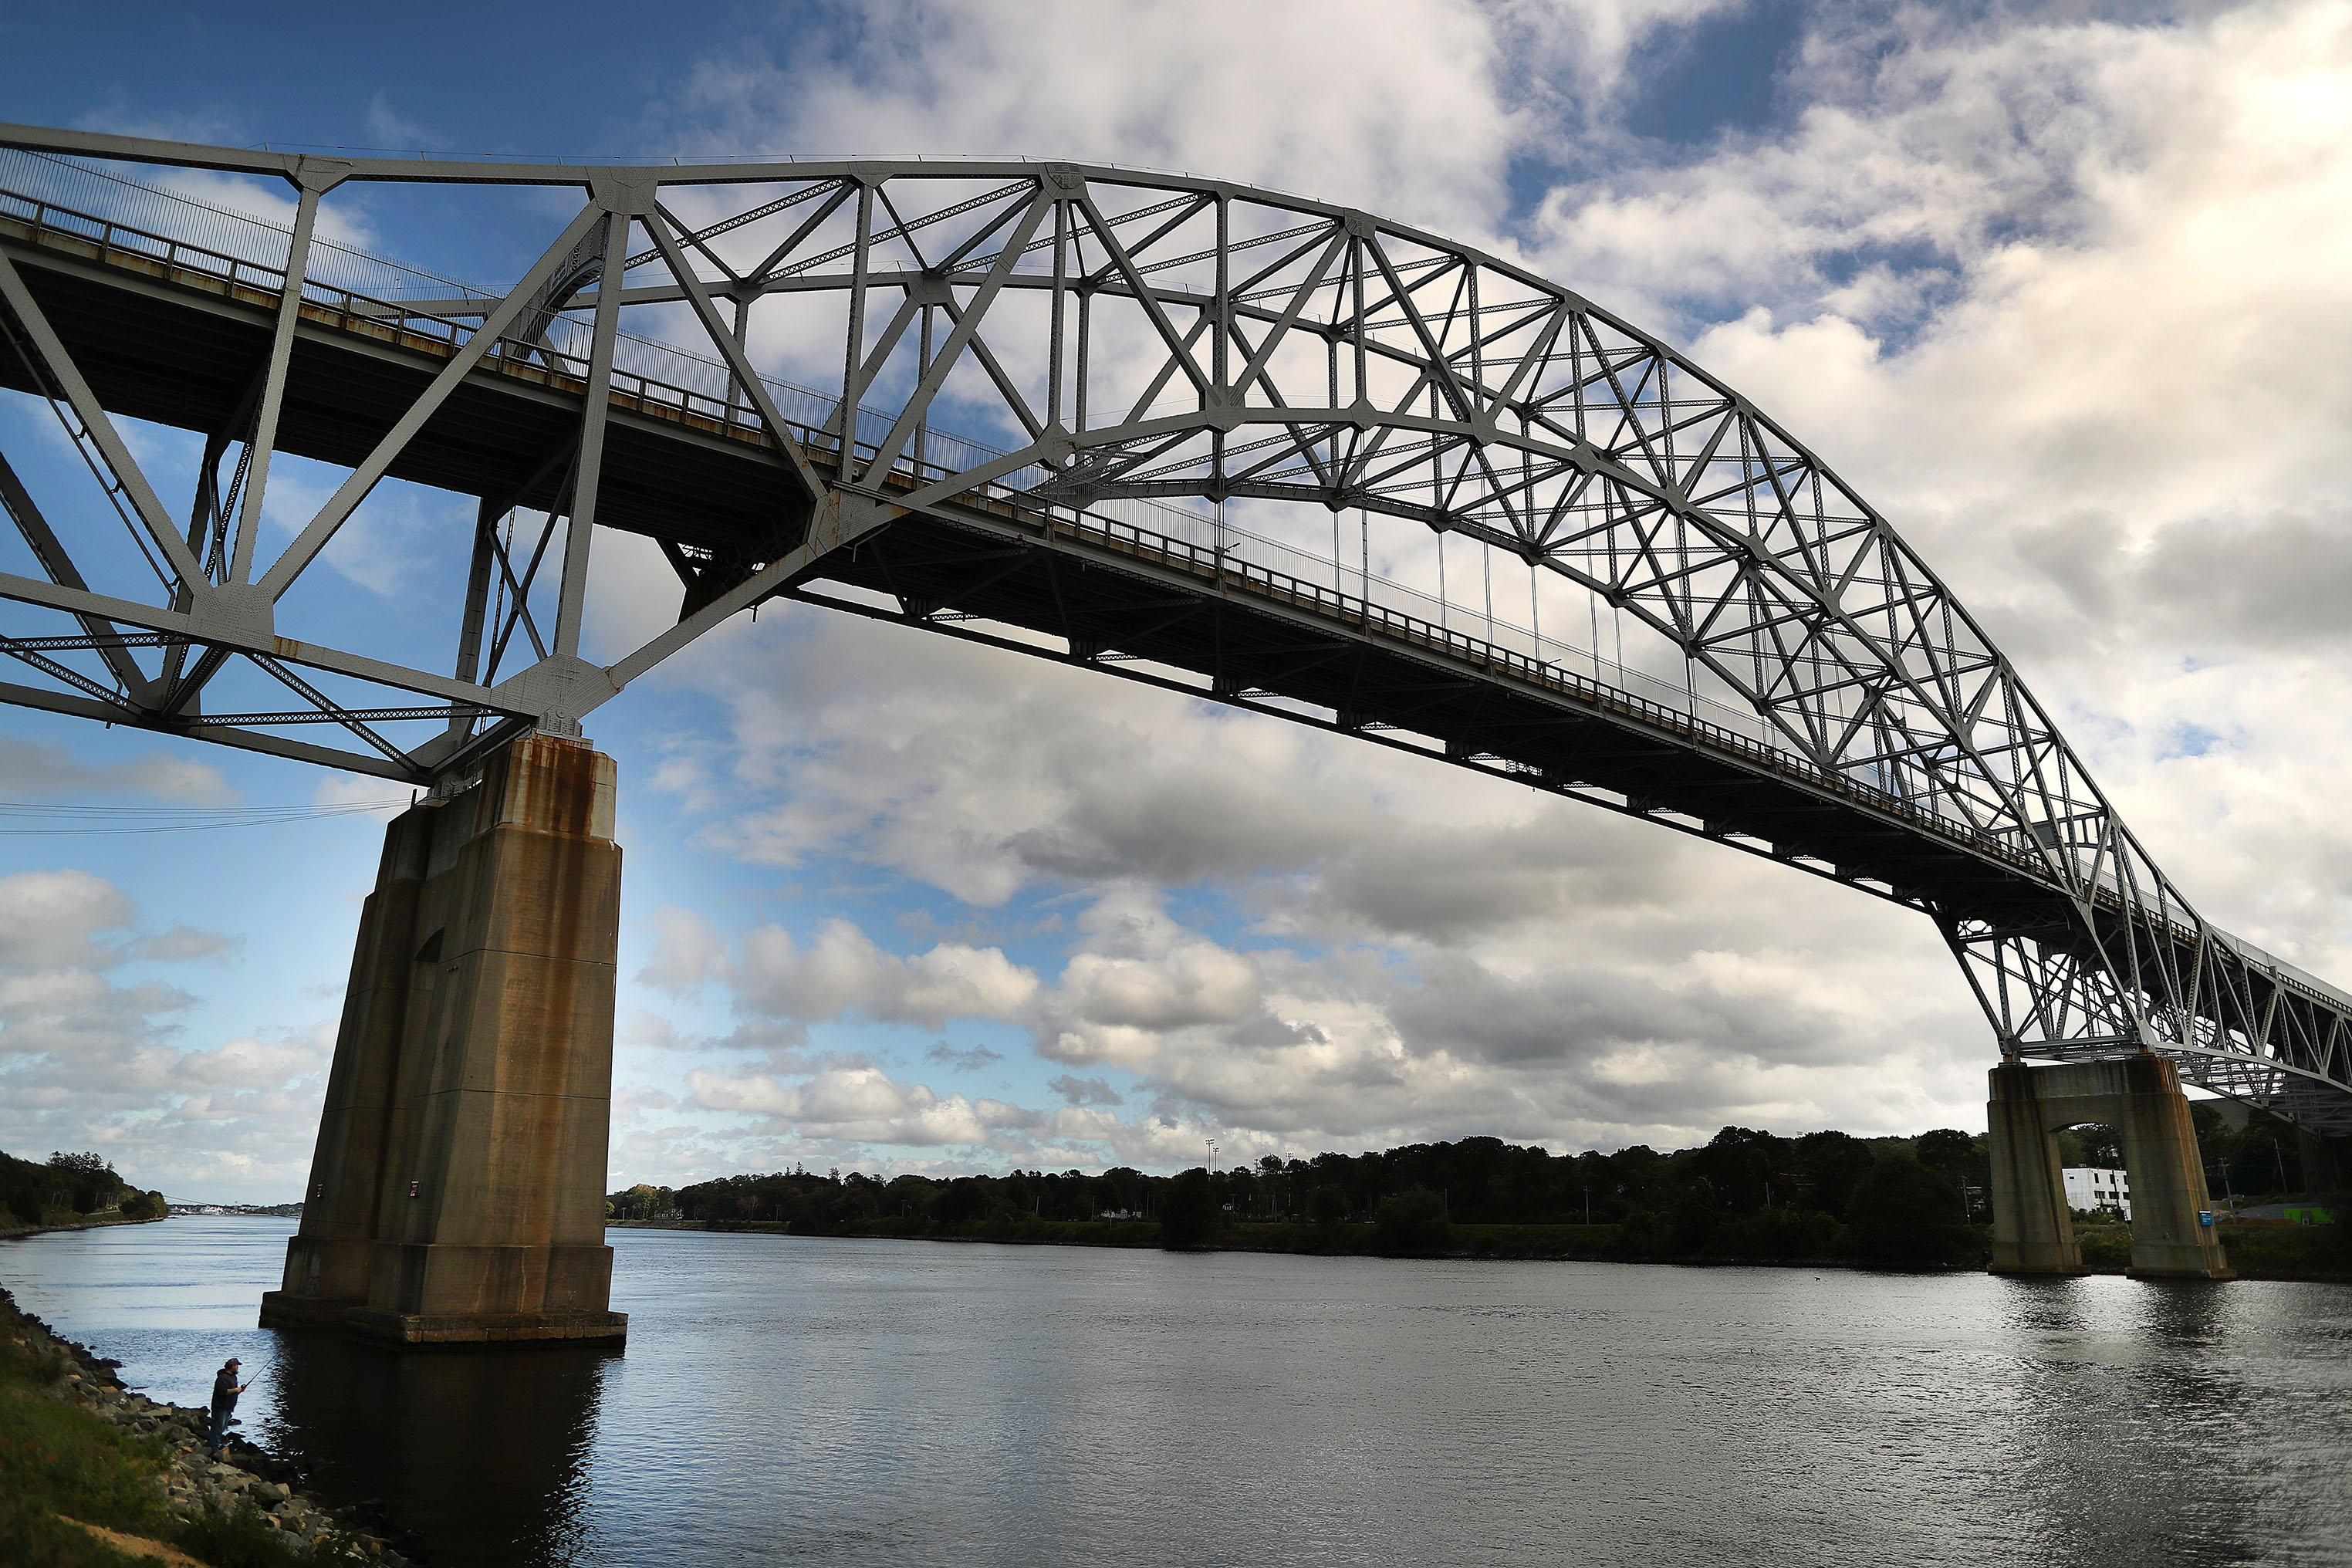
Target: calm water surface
(905,1403)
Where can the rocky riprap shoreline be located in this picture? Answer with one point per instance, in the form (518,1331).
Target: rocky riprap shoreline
(193,1480)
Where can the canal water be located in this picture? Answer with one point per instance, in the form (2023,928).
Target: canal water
(903,1403)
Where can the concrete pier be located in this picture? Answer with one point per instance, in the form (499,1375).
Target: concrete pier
(457,1195)
(2139,1096)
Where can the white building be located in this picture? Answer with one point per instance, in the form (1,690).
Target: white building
(2093,1187)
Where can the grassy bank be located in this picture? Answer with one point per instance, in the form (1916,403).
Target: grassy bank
(2320,1254)
(94,1476)
(60,1463)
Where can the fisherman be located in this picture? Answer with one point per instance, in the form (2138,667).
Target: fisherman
(226,1388)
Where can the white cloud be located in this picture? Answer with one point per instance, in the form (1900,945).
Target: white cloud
(88,1062)
(841,971)
(862,1104)
(687,951)
(386,127)
(44,768)
(1388,103)
(383,799)
(51,921)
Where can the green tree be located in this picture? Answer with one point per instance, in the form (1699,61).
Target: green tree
(1835,1164)
(1902,1212)
(1414,1220)
(1946,1149)
(2092,1143)
(1696,1212)
(1740,1163)
(1189,1215)
(1959,1158)
(1327,1205)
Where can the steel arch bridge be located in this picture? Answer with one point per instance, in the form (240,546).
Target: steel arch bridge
(1132,340)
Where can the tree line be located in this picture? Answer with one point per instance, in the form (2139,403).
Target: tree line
(1743,1193)
(1818,1194)
(67,1186)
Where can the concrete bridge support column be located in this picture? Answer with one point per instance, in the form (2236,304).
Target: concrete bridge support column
(2139,1096)
(456,1195)
(2033,1229)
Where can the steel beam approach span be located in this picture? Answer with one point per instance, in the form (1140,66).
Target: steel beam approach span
(1038,388)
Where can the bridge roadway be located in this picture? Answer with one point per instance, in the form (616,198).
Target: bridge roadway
(167,331)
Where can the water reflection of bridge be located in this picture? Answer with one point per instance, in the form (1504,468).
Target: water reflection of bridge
(1838,711)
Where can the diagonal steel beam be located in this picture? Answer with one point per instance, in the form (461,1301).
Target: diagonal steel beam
(43,540)
(264,443)
(737,360)
(588,472)
(93,416)
(354,489)
(968,322)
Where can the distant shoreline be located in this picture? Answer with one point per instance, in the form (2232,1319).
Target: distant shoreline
(1505,1243)
(2273,1256)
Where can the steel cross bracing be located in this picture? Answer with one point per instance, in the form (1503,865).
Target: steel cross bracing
(1136,336)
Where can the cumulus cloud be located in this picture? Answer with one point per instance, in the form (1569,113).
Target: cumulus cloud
(842,971)
(863,1104)
(43,768)
(90,1060)
(1390,103)
(687,951)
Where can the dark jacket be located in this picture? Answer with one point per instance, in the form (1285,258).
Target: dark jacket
(224,1390)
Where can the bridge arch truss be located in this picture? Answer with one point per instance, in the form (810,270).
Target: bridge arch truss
(1125,341)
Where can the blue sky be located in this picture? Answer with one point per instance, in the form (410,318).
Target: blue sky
(1992,264)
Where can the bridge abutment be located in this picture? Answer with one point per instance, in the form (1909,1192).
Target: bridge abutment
(2139,1096)
(457,1195)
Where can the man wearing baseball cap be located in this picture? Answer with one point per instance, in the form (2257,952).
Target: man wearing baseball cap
(226,1388)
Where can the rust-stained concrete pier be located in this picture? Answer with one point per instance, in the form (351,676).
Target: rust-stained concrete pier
(457,1195)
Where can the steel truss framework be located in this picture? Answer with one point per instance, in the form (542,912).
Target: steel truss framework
(1144,336)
